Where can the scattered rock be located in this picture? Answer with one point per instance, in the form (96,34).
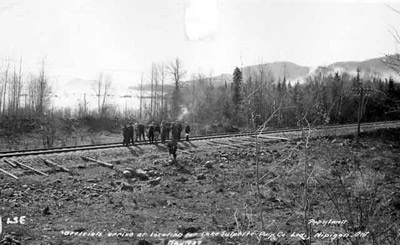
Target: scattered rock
(156,162)
(9,240)
(273,199)
(222,165)
(93,180)
(225,156)
(276,153)
(249,175)
(201,177)
(209,164)
(170,203)
(46,211)
(141,174)
(155,181)
(126,187)
(8,192)
(153,173)
(127,174)
(181,179)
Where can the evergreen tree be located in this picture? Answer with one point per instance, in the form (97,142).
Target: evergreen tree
(237,84)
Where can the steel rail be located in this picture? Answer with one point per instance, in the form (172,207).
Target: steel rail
(194,138)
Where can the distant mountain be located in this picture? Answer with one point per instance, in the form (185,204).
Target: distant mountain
(292,72)
(278,70)
(368,68)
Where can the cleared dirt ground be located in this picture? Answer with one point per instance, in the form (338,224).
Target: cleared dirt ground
(324,188)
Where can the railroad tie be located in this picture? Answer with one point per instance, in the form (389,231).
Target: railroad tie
(30,168)
(104,164)
(10,163)
(54,165)
(8,173)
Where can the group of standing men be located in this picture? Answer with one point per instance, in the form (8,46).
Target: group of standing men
(136,132)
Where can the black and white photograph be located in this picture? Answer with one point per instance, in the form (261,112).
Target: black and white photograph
(188,122)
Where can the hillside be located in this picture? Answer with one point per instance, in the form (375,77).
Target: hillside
(371,67)
(294,72)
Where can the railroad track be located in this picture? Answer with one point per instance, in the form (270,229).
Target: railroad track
(365,126)
(15,163)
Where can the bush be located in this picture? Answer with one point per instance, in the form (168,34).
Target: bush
(97,124)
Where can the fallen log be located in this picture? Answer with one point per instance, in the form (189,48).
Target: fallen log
(98,162)
(10,163)
(8,173)
(30,168)
(54,165)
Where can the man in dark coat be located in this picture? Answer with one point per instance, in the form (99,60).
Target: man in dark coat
(168,129)
(187,131)
(172,147)
(125,135)
(174,131)
(141,132)
(157,130)
(179,131)
(130,134)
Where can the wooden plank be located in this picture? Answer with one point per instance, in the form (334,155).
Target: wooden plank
(30,168)
(10,163)
(8,173)
(273,137)
(54,165)
(98,162)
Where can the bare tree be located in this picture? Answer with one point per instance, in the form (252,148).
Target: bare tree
(39,92)
(154,84)
(31,94)
(161,73)
(83,106)
(141,97)
(15,90)
(177,73)
(103,85)
(4,88)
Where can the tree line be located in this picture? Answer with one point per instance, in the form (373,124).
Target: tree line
(23,95)
(324,98)
(247,100)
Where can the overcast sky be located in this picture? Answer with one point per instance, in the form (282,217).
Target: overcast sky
(80,38)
